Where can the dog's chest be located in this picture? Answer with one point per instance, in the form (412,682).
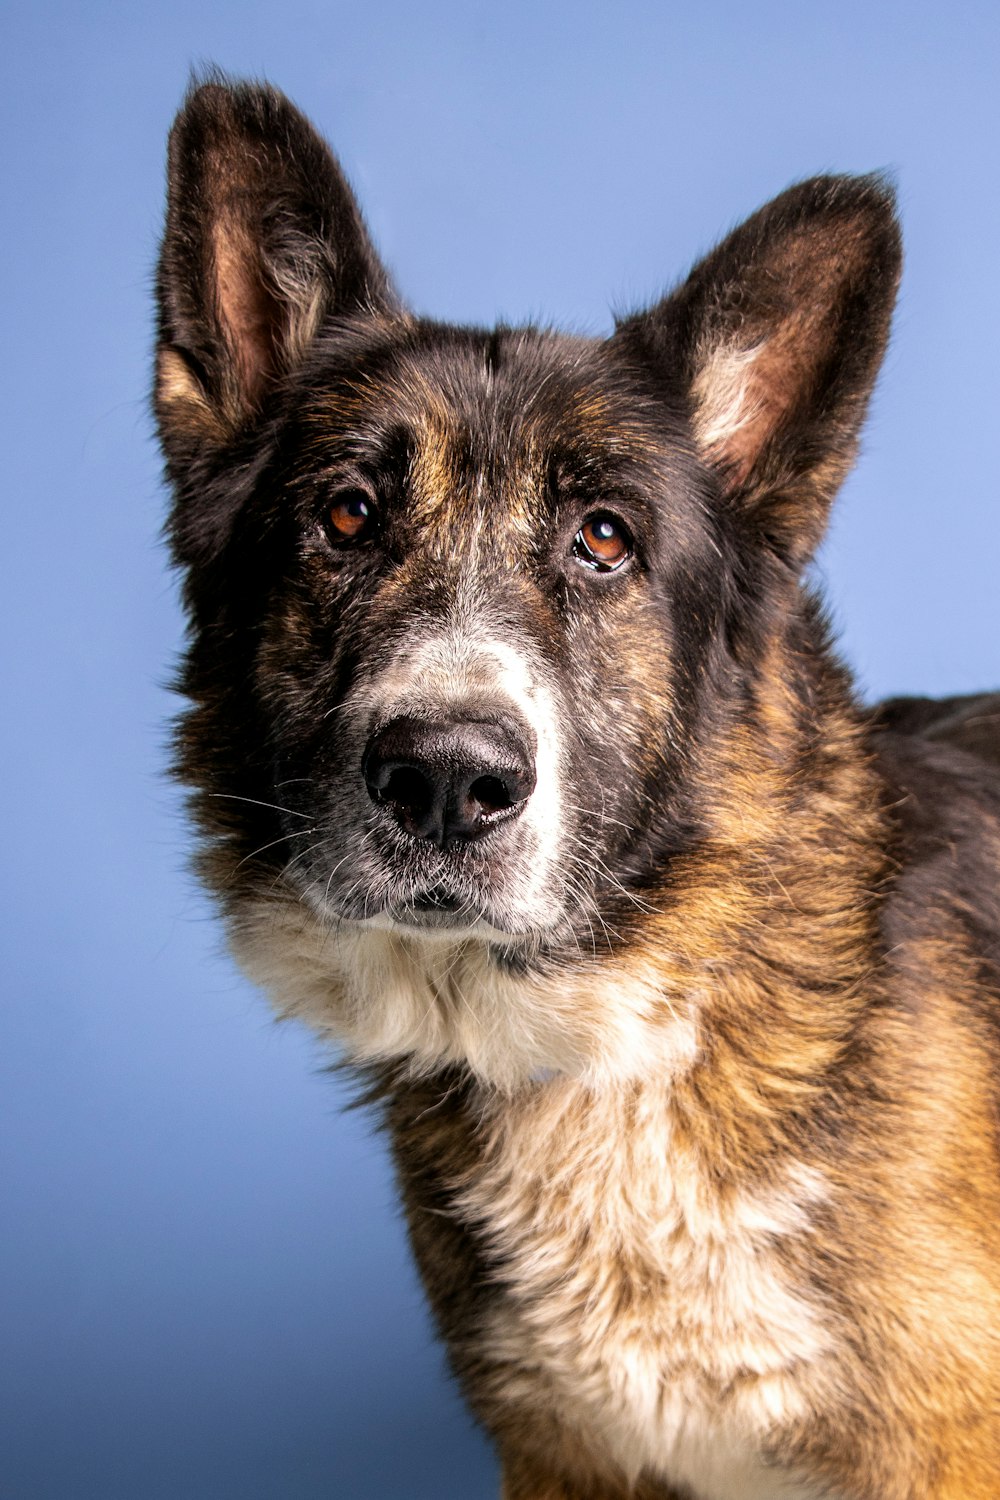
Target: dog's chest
(645,1310)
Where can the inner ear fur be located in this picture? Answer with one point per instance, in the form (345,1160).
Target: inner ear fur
(263,241)
(776,338)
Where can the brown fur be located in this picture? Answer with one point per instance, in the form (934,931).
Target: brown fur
(691,1072)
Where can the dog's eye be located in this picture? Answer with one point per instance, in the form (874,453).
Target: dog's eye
(602,543)
(350,516)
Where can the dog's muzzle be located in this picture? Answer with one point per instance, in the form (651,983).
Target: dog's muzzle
(450,782)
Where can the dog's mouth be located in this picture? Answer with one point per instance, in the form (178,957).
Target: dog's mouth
(437,899)
(435,908)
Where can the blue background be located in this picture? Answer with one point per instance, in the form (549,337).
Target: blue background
(205,1291)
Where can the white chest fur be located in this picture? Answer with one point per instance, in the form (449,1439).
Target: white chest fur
(650,1311)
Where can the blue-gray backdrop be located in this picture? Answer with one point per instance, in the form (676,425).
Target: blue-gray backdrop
(204,1287)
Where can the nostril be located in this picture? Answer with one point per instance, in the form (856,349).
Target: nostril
(407,787)
(491,794)
(412,797)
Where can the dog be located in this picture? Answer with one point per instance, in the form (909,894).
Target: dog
(525,772)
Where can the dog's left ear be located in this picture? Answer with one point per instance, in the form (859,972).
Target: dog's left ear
(776,338)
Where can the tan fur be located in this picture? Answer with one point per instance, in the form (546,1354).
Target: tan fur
(728,402)
(653,1215)
(443,1001)
(182,401)
(693,1106)
(666,1331)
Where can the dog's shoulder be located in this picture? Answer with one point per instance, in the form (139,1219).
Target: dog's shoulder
(940,759)
(971,722)
(939,762)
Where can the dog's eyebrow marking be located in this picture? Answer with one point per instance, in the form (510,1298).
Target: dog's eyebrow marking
(433,471)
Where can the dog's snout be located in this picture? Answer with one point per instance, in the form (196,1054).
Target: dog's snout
(449,782)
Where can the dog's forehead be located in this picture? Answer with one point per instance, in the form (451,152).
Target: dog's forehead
(501,409)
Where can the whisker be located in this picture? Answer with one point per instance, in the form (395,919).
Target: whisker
(303,854)
(298,834)
(256,801)
(602,816)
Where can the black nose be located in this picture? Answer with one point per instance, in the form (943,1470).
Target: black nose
(449,782)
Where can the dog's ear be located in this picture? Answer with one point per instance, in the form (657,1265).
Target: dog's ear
(776,338)
(263,241)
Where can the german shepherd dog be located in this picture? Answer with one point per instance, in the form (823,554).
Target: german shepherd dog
(525,772)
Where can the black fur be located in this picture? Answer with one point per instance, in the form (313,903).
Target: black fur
(811,875)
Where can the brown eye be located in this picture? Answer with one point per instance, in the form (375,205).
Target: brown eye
(602,543)
(350,517)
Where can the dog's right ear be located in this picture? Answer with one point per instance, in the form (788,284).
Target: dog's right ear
(263,241)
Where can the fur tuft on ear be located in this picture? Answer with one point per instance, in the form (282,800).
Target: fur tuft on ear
(263,241)
(776,338)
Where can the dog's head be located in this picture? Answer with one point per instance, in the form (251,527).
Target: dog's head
(474,611)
